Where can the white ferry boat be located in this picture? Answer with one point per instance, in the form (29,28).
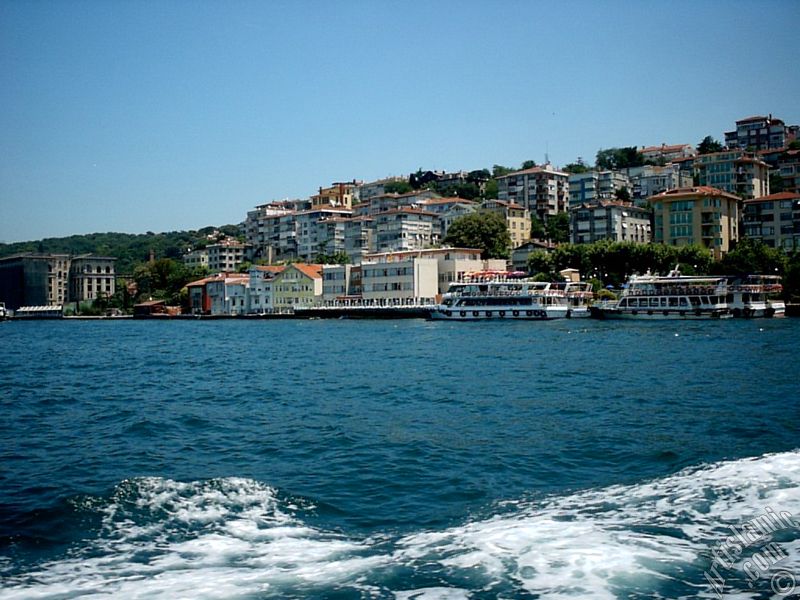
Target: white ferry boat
(756,296)
(3,312)
(500,296)
(673,296)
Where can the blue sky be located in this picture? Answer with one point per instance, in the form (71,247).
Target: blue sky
(163,115)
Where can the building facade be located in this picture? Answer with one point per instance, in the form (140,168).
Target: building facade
(616,221)
(518,220)
(759,133)
(544,191)
(596,185)
(733,171)
(299,284)
(406,229)
(663,154)
(226,256)
(774,219)
(91,277)
(701,215)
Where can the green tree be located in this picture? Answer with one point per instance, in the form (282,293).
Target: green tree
(709,145)
(500,170)
(540,261)
(490,189)
(528,164)
(557,228)
(776,184)
(619,158)
(397,187)
(623,194)
(752,257)
(482,229)
(576,167)
(538,232)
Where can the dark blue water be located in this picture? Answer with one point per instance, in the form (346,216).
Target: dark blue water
(399,459)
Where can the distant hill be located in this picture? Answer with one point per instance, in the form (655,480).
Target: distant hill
(128,248)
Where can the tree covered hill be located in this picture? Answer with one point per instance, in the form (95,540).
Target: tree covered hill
(128,248)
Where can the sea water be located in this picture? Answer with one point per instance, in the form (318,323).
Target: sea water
(398,459)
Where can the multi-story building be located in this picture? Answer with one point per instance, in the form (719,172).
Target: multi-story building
(226,256)
(518,219)
(596,185)
(359,238)
(196,259)
(451,263)
(608,220)
(367,191)
(401,279)
(544,191)
(448,210)
(319,231)
(338,195)
(699,215)
(789,169)
(649,180)
(299,284)
(91,277)
(266,231)
(774,219)
(336,282)
(384,202)
(31,279)
(663,154)
(733,171)
(260,293)
(406,229)
(758,133)
(227,294)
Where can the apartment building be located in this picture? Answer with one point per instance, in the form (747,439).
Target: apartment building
(406,229)
(663,154)
(544,191)
(448,210)
(227,255)
(338,195)
(359,238)
(196,259)
(609,220)
(733,171)
(596,185)
(298,284)
(32,279)
(260,292)
(699,215)
(404,278)
(759,133)
(774,219)
(649,180)
(518,219)
(367,191)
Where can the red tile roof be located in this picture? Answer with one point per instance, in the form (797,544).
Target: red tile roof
(775,197)
(312,271)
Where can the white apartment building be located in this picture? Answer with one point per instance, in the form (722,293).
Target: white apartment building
(260,295)
(91,277)
(406,229)
(606,220)
(228,295)
(544,191)
(649,180)
(226,256)
(405,279)
(596,185)
(195,259)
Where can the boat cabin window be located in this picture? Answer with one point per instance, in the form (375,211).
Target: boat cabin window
(695,300)
(643,302)
(623,303)
(683,302)
(705,300)
(654,302)
(673,302)
(663,302)
(745,297)
(729,298)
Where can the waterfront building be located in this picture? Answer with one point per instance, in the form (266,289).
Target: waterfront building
(544,191)
(596,185)
(733,171)
(699,215)
(359,238)
(519,256)
(336,282)
(260,292)
(227,294)
(518,219)
(34,279)
(402,279)
(451,263)
(406,229)
(299,284)
(774,219)
(91,277)
(609,220)
(759,133)
(663,154)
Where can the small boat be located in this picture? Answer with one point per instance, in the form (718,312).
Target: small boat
(756,296)
(673,296)
(3,312)
(507,296)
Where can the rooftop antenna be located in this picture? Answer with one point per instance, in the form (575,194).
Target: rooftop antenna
(546,152)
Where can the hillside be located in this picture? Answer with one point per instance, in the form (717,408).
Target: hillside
(129,249)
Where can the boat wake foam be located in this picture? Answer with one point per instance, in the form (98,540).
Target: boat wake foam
(236,538)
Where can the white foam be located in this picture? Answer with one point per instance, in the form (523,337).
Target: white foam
(232,538)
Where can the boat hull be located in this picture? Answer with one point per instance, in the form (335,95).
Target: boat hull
(686,315)
(508,314)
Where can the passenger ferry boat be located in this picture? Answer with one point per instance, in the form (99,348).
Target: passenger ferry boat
(673,296)
(3,312)
(507,296)
(756,296)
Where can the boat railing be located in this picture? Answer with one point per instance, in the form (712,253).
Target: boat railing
(679,291)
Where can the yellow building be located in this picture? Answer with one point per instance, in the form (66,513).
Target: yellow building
(338,195)
(518,220)
(297,284)
(700,215)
